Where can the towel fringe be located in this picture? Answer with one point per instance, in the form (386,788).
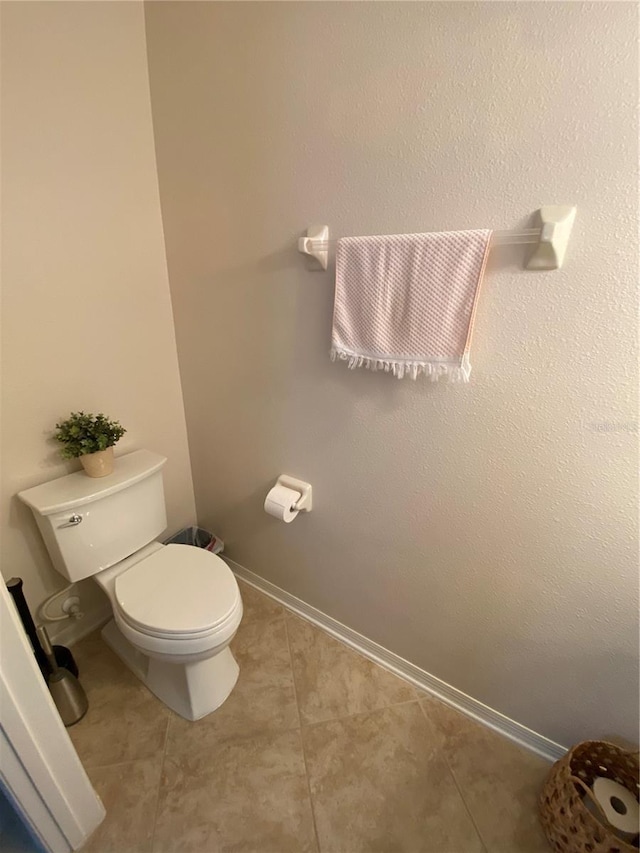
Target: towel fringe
(433,369)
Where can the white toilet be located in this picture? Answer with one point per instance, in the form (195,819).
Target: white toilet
(176,608)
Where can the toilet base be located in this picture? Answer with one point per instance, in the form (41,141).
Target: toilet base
(192,690)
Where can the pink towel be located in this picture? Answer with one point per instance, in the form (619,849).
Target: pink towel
(405,303)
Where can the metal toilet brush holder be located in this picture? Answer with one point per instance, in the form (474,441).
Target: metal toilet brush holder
(66,691)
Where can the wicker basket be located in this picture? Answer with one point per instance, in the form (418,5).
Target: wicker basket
(568,824)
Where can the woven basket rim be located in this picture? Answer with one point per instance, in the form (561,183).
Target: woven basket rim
(635,753)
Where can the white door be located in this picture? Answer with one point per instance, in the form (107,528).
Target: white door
(39,767)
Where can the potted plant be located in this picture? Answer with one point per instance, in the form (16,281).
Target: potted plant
(89,438)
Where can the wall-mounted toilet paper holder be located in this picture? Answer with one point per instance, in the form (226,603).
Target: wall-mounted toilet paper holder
(304,503)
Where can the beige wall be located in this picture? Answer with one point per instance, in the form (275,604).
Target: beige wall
(485,532)
(86,310)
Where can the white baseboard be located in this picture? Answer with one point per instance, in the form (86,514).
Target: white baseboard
(405,669)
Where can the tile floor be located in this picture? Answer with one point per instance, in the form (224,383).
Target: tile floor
(317,749)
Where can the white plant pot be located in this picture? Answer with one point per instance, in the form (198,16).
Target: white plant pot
(98,464)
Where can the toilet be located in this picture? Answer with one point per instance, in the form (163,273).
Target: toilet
(176,608)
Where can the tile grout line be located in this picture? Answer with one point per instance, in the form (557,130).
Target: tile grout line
(291,613)
(111,764)
(417,699)
(417,695)
(157,810)
(455,781)
(304,755)
(301,726)
(357,714)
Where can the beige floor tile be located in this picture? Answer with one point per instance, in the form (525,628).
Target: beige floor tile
(333,681)
(245,795)
(262,700)
(236,780)
(379,783)
(257,606)
(130,796)
(499,780)
(125,721)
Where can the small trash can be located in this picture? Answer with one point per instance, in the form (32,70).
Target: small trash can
(198,537)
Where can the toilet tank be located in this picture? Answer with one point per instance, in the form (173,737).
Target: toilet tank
(89,524)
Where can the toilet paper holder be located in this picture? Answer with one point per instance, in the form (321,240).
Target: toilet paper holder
(304,503)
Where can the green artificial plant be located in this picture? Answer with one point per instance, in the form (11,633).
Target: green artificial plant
(84,433)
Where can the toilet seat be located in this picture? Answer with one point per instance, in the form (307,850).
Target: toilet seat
(178,603)
(175,647)
(178,592)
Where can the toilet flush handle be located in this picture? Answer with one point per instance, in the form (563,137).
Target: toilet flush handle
(73,520)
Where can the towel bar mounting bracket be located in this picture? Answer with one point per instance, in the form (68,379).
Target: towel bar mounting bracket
(316,244)
(556,222)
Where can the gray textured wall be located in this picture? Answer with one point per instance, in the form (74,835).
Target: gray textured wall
(485,532)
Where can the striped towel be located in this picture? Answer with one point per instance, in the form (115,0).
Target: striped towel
(405,303)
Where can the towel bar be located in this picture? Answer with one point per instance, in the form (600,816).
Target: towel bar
(551,238)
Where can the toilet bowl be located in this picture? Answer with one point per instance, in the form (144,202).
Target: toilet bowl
(175,607)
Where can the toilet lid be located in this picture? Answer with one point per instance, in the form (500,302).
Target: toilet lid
(178,589)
